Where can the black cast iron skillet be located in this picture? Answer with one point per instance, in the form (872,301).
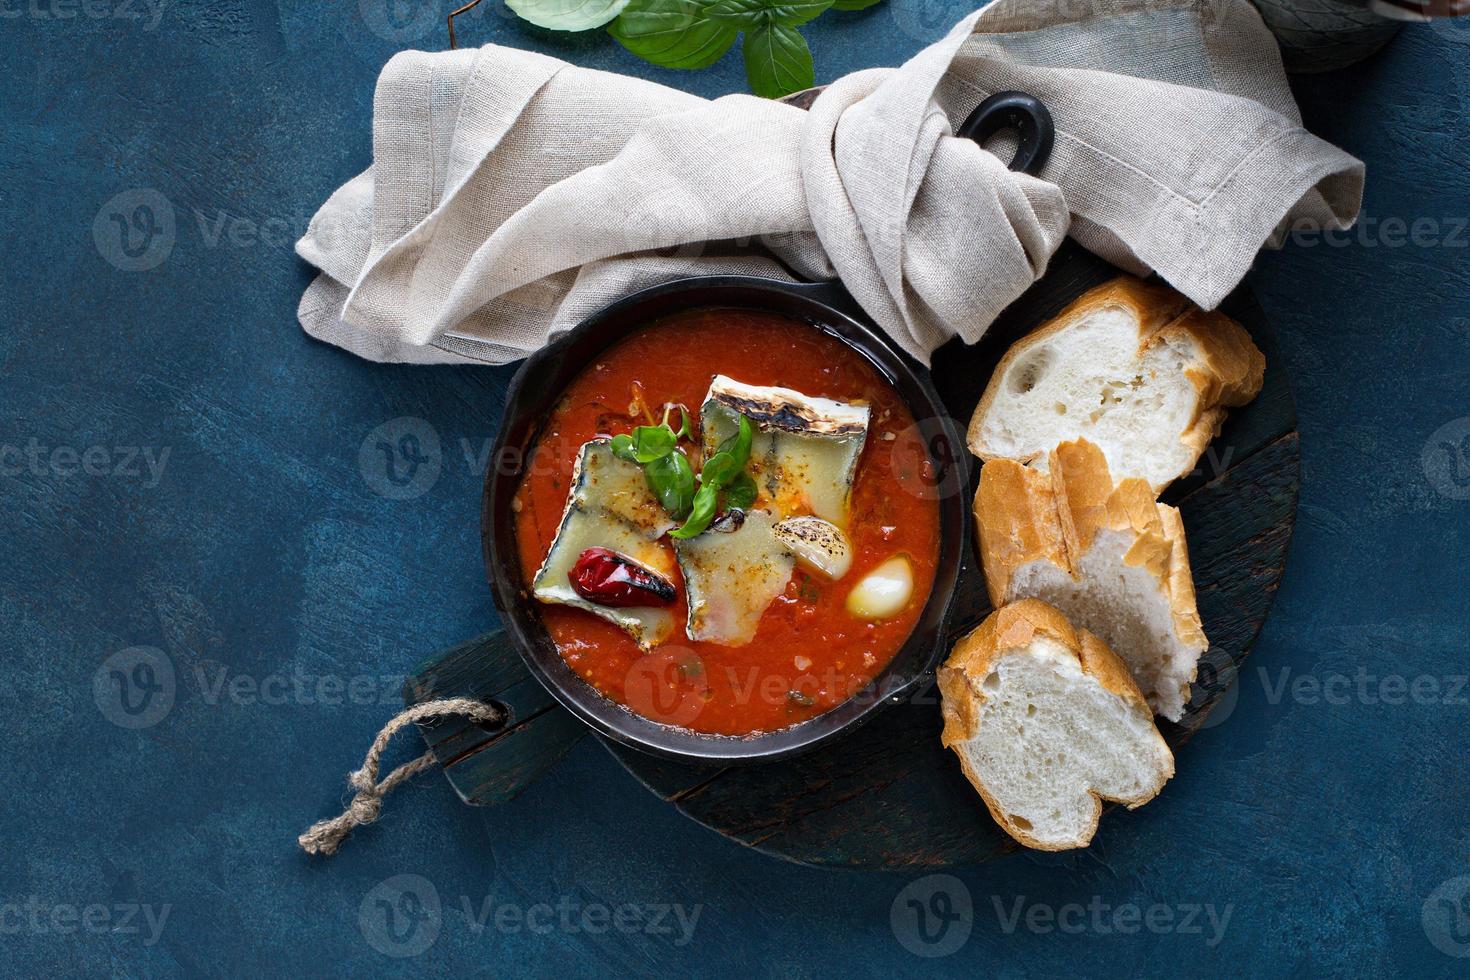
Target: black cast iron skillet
(826,306)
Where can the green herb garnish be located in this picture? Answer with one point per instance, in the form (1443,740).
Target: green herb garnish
(671,478)
(697,33)
(741,492)
(651,442)
(738,445)
(721,470)
(706,501)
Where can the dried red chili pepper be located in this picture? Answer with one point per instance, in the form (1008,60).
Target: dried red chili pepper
(609,579)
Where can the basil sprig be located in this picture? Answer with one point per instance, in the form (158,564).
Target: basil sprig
(650,443)
(697,33)
(671,478)
(721,470)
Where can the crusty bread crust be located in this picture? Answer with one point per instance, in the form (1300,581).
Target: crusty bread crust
(1017,520)
(1013,627)
(1231,372)
(1228,373)
(1024,515)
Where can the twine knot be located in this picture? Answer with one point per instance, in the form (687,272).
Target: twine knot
(325,836)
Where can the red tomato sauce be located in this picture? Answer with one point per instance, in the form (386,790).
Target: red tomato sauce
(809,654)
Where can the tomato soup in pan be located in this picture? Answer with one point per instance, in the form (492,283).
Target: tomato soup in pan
(728,522)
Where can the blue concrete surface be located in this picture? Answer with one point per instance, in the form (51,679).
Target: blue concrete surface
(183,505)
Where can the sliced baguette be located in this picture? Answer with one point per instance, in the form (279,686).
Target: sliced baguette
(1109,556)
(1131,366)
(1047,724)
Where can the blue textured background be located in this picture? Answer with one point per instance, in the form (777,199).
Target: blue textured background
(1333,835)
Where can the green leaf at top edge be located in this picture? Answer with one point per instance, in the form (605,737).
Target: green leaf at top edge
(673,33)
(778,61)
(750,14)
(567,15)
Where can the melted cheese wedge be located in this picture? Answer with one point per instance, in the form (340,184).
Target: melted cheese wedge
(806,449)
(804,459)
(731,576)
(609,506)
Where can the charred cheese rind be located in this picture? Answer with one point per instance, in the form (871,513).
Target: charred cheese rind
(805,454)
(732,572)
(609,506)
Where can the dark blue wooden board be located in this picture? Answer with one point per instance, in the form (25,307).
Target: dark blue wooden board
(491,764)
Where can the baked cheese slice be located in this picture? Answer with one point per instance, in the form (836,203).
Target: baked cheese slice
(732,572)
(806,449)
(803,459)
(609,506)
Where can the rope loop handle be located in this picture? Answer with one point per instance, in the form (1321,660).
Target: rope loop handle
(325,836)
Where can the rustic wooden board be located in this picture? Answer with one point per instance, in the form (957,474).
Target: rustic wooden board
(490,764)
(888,795)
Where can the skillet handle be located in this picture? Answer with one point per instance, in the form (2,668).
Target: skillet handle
(492,765)
(1024,113)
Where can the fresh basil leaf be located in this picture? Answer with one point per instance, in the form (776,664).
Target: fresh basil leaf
(622,447)
(742,13)
(738,445)
(567,15)
(651,442)
(685,430)
(751,14)
(741,492)
(671,479)
(673,33)
(794,12)
(700,515)
(855,4)
(778,61)
(718,470)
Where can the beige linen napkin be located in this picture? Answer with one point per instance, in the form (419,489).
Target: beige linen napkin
(512,194)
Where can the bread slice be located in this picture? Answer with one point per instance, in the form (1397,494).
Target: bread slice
(1133,367)
(1109,556)
(1047,724)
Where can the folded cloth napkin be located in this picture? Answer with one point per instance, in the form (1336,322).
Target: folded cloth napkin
(512,194)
